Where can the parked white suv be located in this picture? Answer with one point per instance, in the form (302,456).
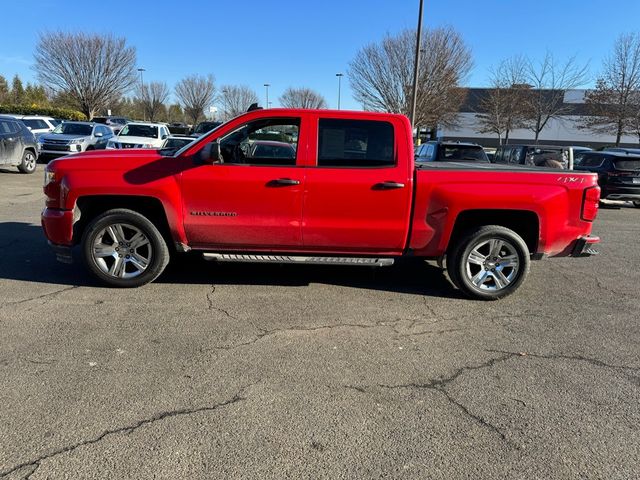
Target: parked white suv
(140,135)
(37,124)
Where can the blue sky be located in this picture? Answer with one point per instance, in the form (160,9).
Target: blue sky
(305,43)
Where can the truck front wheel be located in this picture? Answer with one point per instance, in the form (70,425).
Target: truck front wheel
(122,248)
(489,262)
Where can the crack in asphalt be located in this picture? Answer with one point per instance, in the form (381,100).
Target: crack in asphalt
(578,358)
(35,463)
(44,295)
(440,384)
(391,324)
(213,307)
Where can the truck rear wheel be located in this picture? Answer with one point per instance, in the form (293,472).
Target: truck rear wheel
(489,262)
(122,248)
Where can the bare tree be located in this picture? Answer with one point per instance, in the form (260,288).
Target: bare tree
(381,75)
(236,99)
(94,70)
(153,96)
(195,94)
(615,103)
(549,81)
(302,98)
(502,110)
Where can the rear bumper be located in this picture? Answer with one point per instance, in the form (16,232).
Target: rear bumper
(621,192)
(583,247)
(58,226)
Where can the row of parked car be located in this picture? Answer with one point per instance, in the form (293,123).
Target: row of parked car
(618,169)
(26,139)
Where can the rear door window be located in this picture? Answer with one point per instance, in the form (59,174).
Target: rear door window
(355,143)
(627,164)
(35,124)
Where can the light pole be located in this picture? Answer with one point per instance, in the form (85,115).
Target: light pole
(144,110)
(339,75)
(416,66)
(266,86)
(224,103)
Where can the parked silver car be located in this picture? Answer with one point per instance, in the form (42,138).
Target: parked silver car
(73,137)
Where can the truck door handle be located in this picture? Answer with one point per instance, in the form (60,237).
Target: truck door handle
(283,182)
(388,185)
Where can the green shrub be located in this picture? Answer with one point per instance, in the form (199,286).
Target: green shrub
(63,113)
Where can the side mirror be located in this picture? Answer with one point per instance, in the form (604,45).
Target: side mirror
(211,154)
(98,134)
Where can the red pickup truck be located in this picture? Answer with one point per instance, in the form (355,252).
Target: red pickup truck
(347,192)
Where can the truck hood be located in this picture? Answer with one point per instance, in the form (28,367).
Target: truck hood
(137,140)
(110,160)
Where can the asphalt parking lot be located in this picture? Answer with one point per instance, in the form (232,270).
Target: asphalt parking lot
(262,371)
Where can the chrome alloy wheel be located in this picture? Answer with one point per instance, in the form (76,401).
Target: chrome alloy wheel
(122,251)
(492,264)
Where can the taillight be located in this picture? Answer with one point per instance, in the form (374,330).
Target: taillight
(590,201)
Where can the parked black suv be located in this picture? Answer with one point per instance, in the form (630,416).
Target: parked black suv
(450,152)
(204,127)
(17,145)
(618,174)
(532,155)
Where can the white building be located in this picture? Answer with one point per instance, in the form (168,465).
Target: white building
(561,131)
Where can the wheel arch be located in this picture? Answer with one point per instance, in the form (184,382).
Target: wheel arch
(89,207)
(525,223)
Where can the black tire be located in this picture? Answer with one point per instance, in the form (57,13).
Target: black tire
(636,203)
(497,280)
(28,163)
(104,267)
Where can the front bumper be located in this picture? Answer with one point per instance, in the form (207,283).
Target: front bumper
(58,226)
(584,246)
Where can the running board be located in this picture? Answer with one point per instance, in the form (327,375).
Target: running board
(362,261)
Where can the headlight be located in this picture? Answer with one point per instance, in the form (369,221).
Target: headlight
(49,176)
(76,141)
(147,145)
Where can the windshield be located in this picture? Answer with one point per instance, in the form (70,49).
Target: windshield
(452,153)
(176,143)
(132,130)
(73,129)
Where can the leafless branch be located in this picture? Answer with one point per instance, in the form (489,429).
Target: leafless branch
(195,94)
(236,99)
(152,97)
(302,98)
(614,104)
(381,75)
(94,70)
(549,80)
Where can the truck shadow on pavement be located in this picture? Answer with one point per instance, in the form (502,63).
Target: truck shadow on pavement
(28,258)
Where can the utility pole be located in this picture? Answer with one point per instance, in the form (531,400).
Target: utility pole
(266,86)
(416,68)
(339,75)
(144,110)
